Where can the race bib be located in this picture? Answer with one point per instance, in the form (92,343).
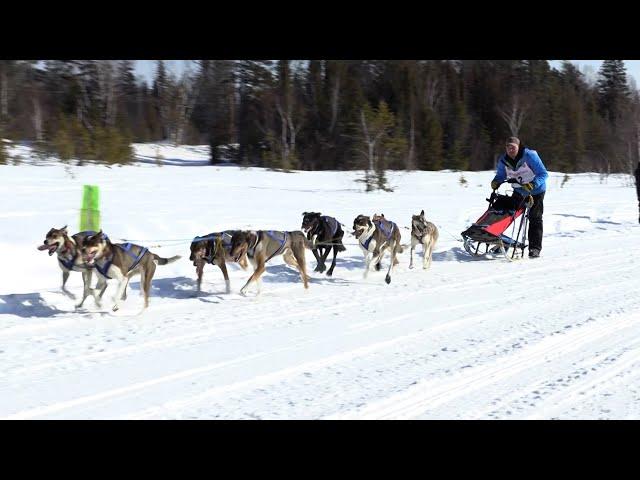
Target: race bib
(523,174)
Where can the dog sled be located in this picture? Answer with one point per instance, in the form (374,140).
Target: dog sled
(487,238)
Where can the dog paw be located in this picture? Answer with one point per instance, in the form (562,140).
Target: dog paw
(410,266)
(115,308)
(387,279)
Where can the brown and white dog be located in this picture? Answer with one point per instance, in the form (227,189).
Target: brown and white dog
(214,248)
(68,249)
(122,261)
(423,233)
(262,245)
(375,236)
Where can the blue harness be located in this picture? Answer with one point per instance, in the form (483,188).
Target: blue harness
(69,264)
(332,222)
(385,226)
(126,248)
(282,241)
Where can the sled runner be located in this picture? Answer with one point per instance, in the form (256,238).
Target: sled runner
(488,230)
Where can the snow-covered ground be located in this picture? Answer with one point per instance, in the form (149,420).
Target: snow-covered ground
(555,337)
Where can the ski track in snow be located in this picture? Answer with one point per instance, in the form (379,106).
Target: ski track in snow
(555,337)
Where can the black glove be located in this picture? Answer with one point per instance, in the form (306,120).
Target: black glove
(495,184)
(528,186)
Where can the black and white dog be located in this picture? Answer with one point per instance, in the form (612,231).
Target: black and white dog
(325,233)
(376,236)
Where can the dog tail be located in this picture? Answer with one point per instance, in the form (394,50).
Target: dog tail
(163,261)
(339,246)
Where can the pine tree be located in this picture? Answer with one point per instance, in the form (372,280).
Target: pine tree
(613,90)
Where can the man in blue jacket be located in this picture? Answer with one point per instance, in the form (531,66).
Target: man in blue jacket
(525,166)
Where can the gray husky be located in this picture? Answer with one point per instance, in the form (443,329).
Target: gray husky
(423,233)
(122,261)
(68,249)
(262,245)
(375,236)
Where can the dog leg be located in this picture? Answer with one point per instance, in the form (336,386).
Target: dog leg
(227,283)
(377,256)
(367,264)
(101,286)
(325,254)
(411,255)
(199,272)
(317,256)
(426,261)
(96,296)
(86,278)
(148,276)
(260,268)
(118,297)
(299,256)
(333,263)
(65,277)
(394,261)
(124,292)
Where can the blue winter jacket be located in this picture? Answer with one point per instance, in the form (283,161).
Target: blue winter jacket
(529,169)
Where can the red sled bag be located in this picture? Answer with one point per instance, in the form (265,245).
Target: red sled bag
(489,229)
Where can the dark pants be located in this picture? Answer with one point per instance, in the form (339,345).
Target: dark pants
(535,222)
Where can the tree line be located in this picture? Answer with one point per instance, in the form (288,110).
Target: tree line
(374,115)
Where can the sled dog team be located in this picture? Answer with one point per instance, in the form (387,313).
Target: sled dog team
(88,251)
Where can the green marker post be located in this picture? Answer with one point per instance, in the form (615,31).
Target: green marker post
(90,211)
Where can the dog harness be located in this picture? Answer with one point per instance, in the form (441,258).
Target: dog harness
(126,248)
(386,227)
(69,263)
(212,239)
(332,223)
(366,243)
(273,235)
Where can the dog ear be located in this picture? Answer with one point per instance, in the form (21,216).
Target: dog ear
(64,228)
(422,213)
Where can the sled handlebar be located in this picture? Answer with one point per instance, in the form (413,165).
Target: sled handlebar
(514,183)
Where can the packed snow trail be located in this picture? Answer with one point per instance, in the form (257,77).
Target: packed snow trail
(554,337)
